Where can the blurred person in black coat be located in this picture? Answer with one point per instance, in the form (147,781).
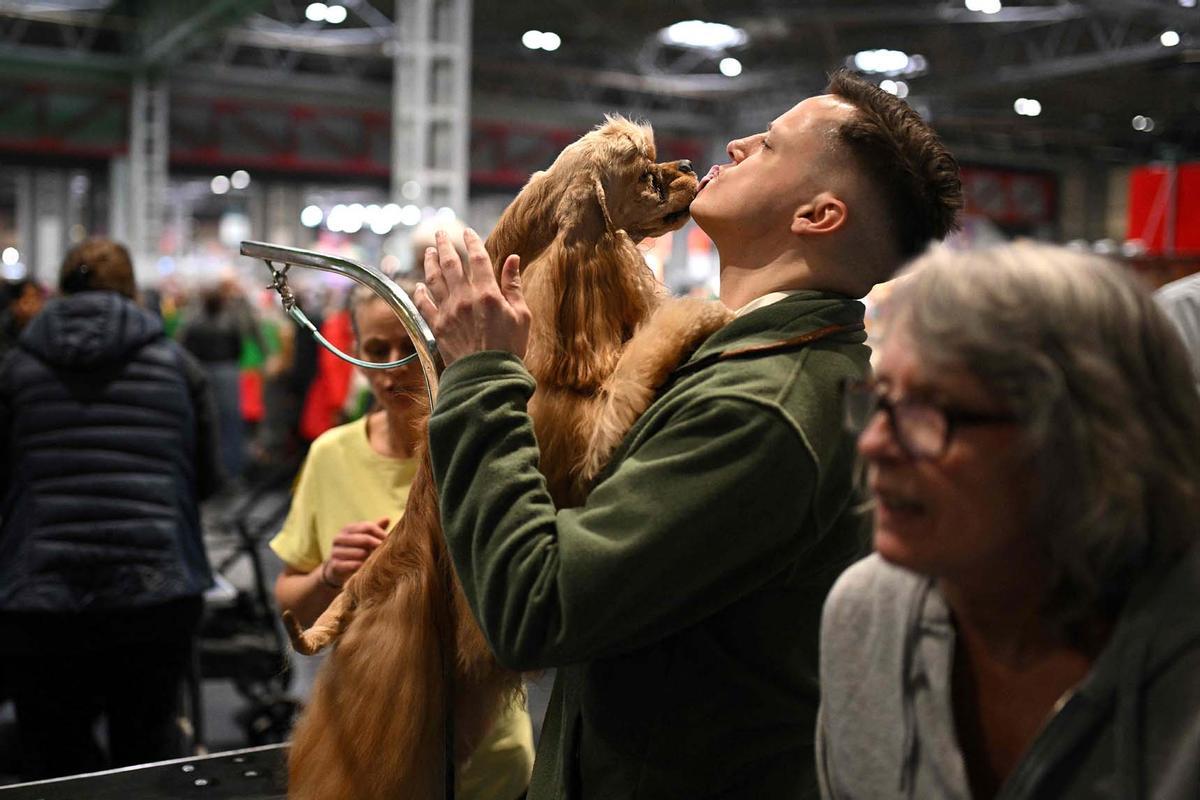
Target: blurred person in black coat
(20,301)
(107,445)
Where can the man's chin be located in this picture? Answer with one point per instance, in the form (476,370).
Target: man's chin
(700,214)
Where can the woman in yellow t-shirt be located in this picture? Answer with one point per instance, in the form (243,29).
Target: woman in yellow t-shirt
(353,485)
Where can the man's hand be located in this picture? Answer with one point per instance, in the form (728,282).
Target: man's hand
(351,546)
(466,309)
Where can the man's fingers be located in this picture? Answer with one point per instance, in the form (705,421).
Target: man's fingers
(423,300)
(452,271)
(510,281)
(433,275)
(478,260)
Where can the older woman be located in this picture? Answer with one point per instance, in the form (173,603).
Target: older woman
(1029,625)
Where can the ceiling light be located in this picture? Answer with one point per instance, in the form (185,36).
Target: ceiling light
(219,184)
(316,12)
(1188,3)
(411,190)
(1027,107)
(336,219)
(700,34)
(10,256)
(881,62)
(240,179)
(311,216)
(898,88)
(335,15)
(537,40)
(410,215)
(984,6)
(730,67)
(1169,38)
(1142,123)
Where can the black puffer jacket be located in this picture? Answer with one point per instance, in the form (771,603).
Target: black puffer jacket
(106,447)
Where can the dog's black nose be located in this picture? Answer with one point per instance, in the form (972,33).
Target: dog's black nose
(686,166)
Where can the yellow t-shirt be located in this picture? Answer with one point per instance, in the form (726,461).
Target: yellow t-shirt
(343,480)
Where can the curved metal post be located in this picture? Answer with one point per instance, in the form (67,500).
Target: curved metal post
(373,279)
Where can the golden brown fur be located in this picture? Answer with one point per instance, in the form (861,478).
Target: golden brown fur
(598,349)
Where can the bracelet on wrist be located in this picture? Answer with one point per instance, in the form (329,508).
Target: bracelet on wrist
(325,578)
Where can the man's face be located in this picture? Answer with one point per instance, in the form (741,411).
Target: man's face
(771,174)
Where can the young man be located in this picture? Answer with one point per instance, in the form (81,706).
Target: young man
(681,604)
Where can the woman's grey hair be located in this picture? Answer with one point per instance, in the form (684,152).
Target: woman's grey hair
(1076,347)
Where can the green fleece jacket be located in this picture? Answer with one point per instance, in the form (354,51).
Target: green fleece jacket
(681,604)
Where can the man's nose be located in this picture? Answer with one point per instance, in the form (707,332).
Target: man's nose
(685,166)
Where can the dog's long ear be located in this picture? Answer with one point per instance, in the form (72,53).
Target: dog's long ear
(529,224)
(582,213)
(587,297)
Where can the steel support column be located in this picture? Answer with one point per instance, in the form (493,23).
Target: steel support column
(431,102)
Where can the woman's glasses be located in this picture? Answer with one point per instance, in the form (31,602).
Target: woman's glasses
(922,428)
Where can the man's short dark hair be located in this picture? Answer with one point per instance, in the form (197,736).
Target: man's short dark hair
(903,156)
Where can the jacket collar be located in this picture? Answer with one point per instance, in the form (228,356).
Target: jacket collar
(797,314)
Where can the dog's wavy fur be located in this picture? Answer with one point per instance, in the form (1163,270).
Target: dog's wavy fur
(604,338)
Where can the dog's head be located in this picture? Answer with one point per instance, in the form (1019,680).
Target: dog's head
(574,227)
(616,182)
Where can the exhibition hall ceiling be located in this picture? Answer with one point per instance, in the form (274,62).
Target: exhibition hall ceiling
(1112,80)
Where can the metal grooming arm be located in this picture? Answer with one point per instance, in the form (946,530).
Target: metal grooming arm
(431,367)
(373,279)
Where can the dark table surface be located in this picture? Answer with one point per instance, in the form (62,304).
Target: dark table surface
(256,773)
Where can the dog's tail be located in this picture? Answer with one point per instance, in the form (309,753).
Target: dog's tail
(325,631)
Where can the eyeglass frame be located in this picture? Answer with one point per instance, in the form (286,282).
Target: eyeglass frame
(951,417)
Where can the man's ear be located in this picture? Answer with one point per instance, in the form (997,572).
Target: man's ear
(825,213)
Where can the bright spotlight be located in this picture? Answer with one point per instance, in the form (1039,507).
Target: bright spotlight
(1027,107)
(700,34)
(311,216)
(335,15)
(551,41)
(1142,123)
(10,256)
(336,220)
(316,12)
(411,190)
(885,62)
(240,179)
(532,40)
(410,215)
(1169,38)
(730,67)
(219,184)
(984,6)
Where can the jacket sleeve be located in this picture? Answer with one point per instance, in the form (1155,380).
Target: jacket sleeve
(210,475)
(702,512)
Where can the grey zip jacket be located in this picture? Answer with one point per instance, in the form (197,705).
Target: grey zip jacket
(1130,730)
